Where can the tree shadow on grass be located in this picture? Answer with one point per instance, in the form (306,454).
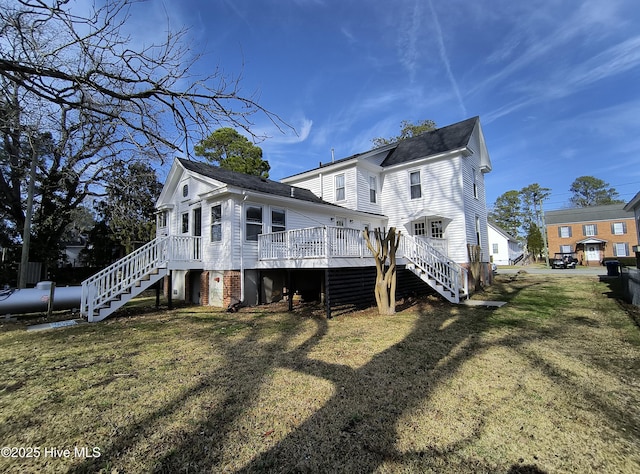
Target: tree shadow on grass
(356,430)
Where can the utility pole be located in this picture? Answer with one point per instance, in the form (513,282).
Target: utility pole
(544,235)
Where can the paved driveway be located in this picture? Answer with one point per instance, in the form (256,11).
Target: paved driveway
(585,271)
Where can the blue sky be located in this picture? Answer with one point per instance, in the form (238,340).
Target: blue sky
(556,83)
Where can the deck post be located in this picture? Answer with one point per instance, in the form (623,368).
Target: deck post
(327,298)
(170,290)
(289,290)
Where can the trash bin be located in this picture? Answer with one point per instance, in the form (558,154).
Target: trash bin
(612,268)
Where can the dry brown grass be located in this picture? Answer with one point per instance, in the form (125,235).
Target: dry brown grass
(548,383)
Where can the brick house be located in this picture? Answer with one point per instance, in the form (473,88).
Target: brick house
(594,233)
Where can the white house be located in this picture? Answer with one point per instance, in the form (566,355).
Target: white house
(504,249)
(226,237)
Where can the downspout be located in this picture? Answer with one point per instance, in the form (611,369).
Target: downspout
(245,196)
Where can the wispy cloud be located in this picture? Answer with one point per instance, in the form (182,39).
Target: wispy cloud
(445,59)
(567,81)
(585,23)
(408,40)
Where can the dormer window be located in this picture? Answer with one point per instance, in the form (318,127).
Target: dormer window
(340,191)
(373,189)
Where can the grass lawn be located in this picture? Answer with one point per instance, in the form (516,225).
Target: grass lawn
(550,382)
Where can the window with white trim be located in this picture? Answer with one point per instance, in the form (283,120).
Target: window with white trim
(419,228)
(565,248)
(495,248)
(340,188)
(478,231)
(185,223)
(216,223)
(619,228)
(162,219)
(415,187)
(373,189)
(620,249)
(278,220)
(564,231)
(253,222)
(590,230)
(475,183)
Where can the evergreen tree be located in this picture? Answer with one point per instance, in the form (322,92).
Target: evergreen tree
(589,191)
(233,151)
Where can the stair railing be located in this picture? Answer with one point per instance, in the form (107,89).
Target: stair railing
(439,267)
(122,275)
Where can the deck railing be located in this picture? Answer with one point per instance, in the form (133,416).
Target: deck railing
(312,242)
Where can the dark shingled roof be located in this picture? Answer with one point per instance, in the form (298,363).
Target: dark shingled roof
(587,214)
(451,137)
(252,183)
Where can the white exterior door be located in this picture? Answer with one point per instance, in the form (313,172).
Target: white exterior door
(592,253)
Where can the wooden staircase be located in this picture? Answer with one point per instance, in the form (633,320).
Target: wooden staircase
(111,288)
(446,277)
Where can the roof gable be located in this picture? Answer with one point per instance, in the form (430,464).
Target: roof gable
(249,182)
(435,142)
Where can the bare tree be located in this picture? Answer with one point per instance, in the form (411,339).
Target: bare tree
(384,248)
(85,63)
(76,84)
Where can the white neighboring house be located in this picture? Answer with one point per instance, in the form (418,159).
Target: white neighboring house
(504,249)
(225,237)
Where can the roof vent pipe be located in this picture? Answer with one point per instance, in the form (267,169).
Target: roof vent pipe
(333,155)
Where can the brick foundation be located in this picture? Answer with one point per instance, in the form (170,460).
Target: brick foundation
(231,287)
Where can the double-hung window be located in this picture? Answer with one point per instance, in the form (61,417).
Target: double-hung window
(253,222)
(340,191)
(619,228)
(475,183)
(216,223)
(621,249)
(590,230)
(373,189)
(185,223)
(162,219)
(564,231)
(414,185)
(278,220)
